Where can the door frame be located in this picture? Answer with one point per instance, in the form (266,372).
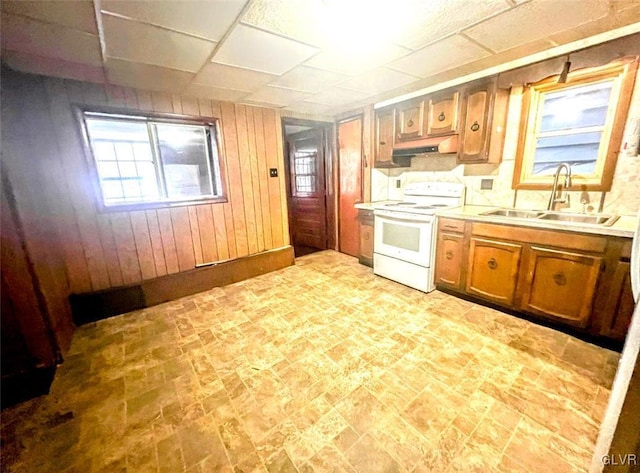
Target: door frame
(330,194)
(361,117)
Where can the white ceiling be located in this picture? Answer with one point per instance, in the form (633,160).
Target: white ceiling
(308,56)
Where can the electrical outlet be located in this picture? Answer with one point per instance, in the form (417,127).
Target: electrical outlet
(273,172)
(398,183)
(486,184)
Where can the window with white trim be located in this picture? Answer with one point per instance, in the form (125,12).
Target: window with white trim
(149,160)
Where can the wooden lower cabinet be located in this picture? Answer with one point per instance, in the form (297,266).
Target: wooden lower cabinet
(561,285)
(365,220)
(577,280)
(493,270)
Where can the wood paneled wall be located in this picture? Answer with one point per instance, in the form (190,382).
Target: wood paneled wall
(45,160)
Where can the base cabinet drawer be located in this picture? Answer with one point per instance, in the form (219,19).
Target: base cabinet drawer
(561,285)
(493,270)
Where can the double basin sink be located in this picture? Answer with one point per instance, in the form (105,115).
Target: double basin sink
(588,219)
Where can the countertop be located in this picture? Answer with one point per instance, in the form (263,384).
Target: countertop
(625,226)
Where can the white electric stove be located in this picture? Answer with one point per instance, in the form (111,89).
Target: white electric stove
(404,233)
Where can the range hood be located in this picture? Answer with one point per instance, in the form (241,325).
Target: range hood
(441,145)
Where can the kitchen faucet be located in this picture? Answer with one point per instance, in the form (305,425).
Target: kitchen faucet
(567,183)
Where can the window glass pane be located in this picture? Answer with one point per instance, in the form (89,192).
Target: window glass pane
(112,190)
(104,151)
(401,236)
(577,107)
(124,151)
(580,150)
(185,158)
(108,169)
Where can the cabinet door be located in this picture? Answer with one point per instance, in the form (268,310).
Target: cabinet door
(384,138)
(410,120)
(620,303)
(561,285)
(473,136)
(449,259)
(443,115)
(493,270)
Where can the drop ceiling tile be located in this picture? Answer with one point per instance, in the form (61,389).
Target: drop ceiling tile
(311,108)
(309,79)
(219,75)
(337,96)
(378,80)
(301,20)
(443,18)
(535,20)
(79,15)
(276,96)
(47,40)
(447,54)
(205,18)
(215,93)
(46,66)
(138,42)
(254,49)
(354,61)
(144,76)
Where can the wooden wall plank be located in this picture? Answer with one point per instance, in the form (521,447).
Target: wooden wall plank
(168,241)
(161,102)
(130,98)
(255,179)
(195,233)
(220,226)
(156,242)
(204,107)
(144,249)
(263,178)
(271,147)
(115,96)
(282,181)
(190,106)
(126,248)
(109,248)
(209,248)
(176,103)
(234,178)
(246,181)
(182,236)
(145,102)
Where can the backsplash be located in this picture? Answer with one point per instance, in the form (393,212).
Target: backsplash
(623,199)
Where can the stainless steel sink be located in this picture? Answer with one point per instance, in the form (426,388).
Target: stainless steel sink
(514,213)
(605,220)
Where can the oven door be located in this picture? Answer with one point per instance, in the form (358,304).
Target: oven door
(404,236)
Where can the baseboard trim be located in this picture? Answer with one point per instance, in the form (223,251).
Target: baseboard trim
(93,306)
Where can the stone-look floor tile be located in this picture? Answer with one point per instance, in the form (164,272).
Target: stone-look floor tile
(321,366)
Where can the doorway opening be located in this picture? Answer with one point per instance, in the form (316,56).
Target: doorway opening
(307,148)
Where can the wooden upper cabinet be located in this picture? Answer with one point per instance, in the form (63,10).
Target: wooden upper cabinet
(385,126)
(493,270)
(443,114)
(484,117)
(561,285)
(411,120)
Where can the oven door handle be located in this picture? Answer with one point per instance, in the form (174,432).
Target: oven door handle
(403,217)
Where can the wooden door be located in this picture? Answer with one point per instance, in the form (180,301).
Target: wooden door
(561,285)
(350,188)
(307,204)
(443,114)
(493,270)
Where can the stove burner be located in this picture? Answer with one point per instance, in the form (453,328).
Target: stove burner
(400,204)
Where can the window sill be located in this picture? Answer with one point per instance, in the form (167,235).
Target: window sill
(159,205)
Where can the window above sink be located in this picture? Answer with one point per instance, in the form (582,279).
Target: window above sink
(579,122)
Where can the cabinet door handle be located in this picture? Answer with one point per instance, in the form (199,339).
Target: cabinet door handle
(559,279)
(492,263)
(410,123)
(448,254)
(475,126)
(367,236)
(441,117)
(452,227)
(383,142)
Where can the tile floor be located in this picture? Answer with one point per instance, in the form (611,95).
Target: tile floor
(320,367)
